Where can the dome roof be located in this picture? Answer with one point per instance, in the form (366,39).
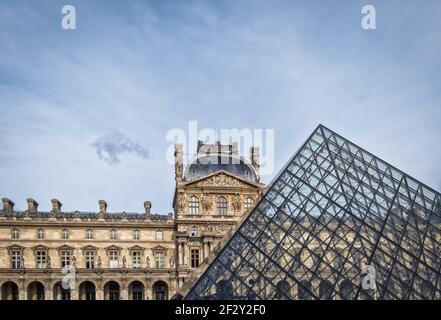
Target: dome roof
(205,165)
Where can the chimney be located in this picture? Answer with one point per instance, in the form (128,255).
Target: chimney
(103,206)
(147,206)
(56,206)
(179,166)
(32,205)
(8,205)
(255,158)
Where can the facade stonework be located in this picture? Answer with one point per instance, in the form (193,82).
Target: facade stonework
(127,255)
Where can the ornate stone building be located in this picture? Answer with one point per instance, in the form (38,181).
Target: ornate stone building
(105,255)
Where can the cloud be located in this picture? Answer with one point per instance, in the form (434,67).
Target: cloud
(114,143)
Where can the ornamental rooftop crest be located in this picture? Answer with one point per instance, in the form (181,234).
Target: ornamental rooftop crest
(337,223)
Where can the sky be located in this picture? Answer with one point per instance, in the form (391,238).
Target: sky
(84,113)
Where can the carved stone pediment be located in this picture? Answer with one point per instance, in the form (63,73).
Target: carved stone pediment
(220,179)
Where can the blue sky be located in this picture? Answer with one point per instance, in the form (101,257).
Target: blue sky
(84,113)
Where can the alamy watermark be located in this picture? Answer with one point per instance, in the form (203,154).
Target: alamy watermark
(243,139)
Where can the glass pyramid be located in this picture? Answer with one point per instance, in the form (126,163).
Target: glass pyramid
(336,223)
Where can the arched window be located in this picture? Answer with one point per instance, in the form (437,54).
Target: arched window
(325,290)
(87,291)
(248,202)
(224,290)
(40,233)
(65,234)
(160,290)
(10,291)
(113,234)
(221,204)
(89,234)
(15,234)
(136,291)
(304,290)
(283,290)
(193,205)
(35,291)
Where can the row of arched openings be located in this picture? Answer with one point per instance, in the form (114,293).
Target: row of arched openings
(346,290)
(87,291)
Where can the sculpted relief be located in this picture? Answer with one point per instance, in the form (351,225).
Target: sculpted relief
(222,180)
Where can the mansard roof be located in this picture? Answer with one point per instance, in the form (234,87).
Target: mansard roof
(205,165)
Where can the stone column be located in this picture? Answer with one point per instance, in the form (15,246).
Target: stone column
(148,295)
(180,257)
(124,291)
(184,262)
(205,246)
(48,294)
(74,294)
(22,294)
(99,295)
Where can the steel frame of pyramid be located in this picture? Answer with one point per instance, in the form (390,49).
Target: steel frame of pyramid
(333,213)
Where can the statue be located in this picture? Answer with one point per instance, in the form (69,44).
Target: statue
(172,261)
(100,263)
(48,262)
(206,203)
(237,202)
(124,262)
(74,261)
(148,263)
(22,262)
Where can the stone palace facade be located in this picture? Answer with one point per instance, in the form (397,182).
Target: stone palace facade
(126,255)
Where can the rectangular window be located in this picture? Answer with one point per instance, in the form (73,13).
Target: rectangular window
(41,259)
(90,259)
(136,259)
(136,235)
(65,234)
(194,255)
(65,258)
(16,259)
(113,259)
(89,234)
(158,235)
(159,257)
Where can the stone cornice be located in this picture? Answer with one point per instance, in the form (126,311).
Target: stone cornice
(87,224)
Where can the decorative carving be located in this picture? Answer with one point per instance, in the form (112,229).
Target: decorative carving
(222,228)
(206,202)
(237,202)
(220,180)
(181,201)
(147,261)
